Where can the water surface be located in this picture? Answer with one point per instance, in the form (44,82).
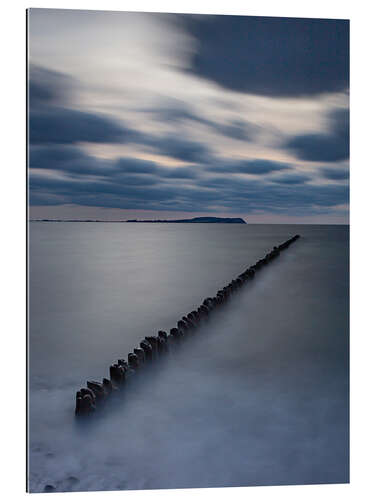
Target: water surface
(259,397)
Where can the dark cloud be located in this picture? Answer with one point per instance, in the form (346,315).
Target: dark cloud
(69,159)
(47,87)
(254,167)
(181,149)
(45,198)
(182,173)
(271,56)
(335,174)
(319,147)
(134,165)
(292,179)
(141,180)
(67,126)
(330,147)
(54,156)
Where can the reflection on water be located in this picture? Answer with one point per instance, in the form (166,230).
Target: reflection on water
(260,396)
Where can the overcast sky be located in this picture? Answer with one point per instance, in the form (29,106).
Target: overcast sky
(160,116)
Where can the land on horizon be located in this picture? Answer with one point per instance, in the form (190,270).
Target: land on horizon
(195,220)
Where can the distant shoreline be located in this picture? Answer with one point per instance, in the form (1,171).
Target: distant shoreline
(195,220)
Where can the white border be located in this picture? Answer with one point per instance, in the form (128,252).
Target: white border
(362,242)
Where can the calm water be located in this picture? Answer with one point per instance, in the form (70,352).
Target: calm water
(260,397)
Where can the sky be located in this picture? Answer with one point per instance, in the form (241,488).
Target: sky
(136,115)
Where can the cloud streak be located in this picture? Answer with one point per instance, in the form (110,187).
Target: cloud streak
(234,129)
(135,184)
(253,167)
(69,126)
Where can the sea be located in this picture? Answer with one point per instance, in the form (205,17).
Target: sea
(258,396)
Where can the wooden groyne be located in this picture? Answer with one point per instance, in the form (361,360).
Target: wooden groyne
(153,347)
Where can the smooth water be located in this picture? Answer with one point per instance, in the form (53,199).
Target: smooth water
(259,397)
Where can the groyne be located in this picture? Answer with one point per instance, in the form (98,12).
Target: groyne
(154,347)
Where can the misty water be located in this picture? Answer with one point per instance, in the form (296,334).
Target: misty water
(258,397)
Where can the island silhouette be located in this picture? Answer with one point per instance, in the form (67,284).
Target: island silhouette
(195,220)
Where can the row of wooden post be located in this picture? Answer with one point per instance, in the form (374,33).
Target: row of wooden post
(153,347)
